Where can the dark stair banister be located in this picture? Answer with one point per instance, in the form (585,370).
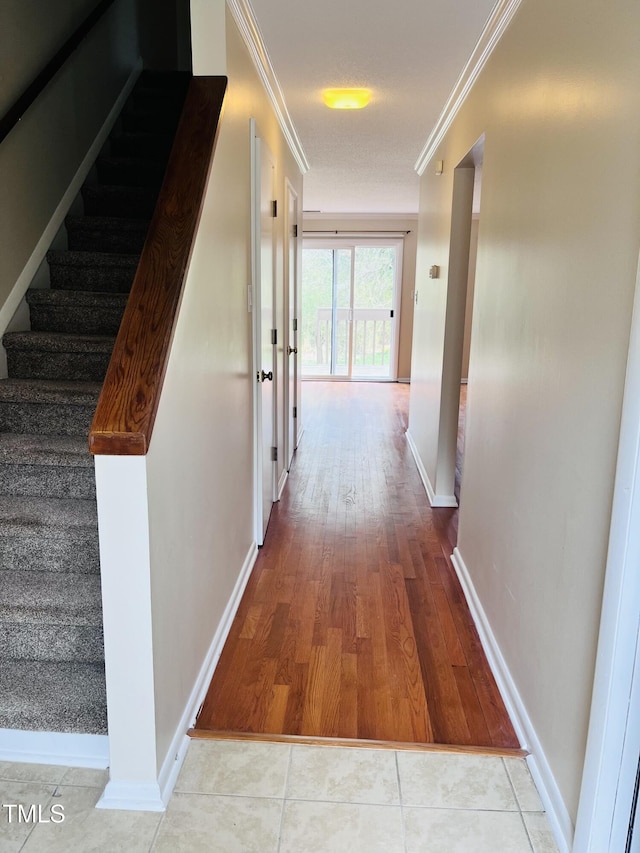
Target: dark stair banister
(13,115)
(124,418)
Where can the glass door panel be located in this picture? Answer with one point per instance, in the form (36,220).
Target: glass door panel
(317,311)
(373,311)
(342,319)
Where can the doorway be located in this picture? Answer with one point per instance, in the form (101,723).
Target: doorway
(350,308)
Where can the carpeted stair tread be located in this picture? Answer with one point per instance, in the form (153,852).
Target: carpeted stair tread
(98,272)
(42,391)
(131,171)
(53,450)
(76,311)
(53,518)
(66,696)
(106,234)
(50,597)
(119,201)
(54,342)
(40,641)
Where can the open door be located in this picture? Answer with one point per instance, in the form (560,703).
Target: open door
(263,254)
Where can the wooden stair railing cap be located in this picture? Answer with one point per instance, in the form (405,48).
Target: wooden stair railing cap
(127,407)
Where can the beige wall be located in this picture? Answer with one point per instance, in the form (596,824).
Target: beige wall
(200,459)
(41,155)
(354,223)
(558,247)
(468,312)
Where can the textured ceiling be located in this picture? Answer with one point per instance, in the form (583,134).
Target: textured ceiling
(409,53)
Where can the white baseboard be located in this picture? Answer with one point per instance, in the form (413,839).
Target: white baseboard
(283,482)
(178,749)
(550,795)
(66,749)
(55,223)
(434,500)
(132,796)
(299,436)
(405,381)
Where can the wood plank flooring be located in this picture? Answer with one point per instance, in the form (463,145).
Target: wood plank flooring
(353,624)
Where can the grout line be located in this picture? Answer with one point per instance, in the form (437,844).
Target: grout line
(526,829)
(157,832)
(402,815)
(284,799)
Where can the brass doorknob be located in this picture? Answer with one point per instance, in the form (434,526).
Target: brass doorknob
(292,350)
(262,376)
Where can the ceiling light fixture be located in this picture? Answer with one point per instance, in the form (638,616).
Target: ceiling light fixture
(346,99)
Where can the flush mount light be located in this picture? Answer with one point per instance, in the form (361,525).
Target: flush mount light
(346,99)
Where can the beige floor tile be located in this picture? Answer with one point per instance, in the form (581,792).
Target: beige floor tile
(524,786)
(23,772)
(15,827)
(86,829)
(539,830)
(444,780)
(459,831)
(85,777)
(235,768)
(341,828)
(203,823)
(343,775)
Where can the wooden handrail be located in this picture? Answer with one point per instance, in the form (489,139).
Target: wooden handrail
(15,112)
(126,411)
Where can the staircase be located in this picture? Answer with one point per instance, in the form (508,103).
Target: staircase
(51,641)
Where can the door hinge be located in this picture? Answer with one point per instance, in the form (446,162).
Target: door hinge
(274,336)
(391,313)
(274,454)
(274,208)
(295,324)
(295,230)
(295,411)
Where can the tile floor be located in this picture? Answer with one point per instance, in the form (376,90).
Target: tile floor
(277,798)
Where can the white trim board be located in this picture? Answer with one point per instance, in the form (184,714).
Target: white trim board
(155,797)
(552,801)
(434,499)
(497,23)
(55,223)
(252,37)
(62,748)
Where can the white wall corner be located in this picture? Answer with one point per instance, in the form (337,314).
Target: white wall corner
(55,223)
(434,499)
(493,31)
(252,37)
(172,761)
(550,795)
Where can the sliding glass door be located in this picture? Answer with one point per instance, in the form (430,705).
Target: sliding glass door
(350,292)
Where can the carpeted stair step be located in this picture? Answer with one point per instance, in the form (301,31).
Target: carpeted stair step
(131,171)
(76,311)
(106,234)
(55,466)
(118,201)
(50,408)
(97,272)
(48,535)
(56,697)
(53,355)
(154,145)
(149,119)
(50,616)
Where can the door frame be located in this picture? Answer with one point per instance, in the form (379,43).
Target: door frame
(345,242)
(255,306)
(613,742)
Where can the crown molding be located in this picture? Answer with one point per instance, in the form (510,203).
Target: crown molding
(498,21)
(245,18)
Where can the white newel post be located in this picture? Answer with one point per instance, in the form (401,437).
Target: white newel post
(123,521)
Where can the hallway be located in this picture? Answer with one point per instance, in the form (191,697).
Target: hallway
(353,624)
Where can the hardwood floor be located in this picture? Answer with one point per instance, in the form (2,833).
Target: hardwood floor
(353,624)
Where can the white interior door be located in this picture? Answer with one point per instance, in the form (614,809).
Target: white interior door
(291,325)
(263,324)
